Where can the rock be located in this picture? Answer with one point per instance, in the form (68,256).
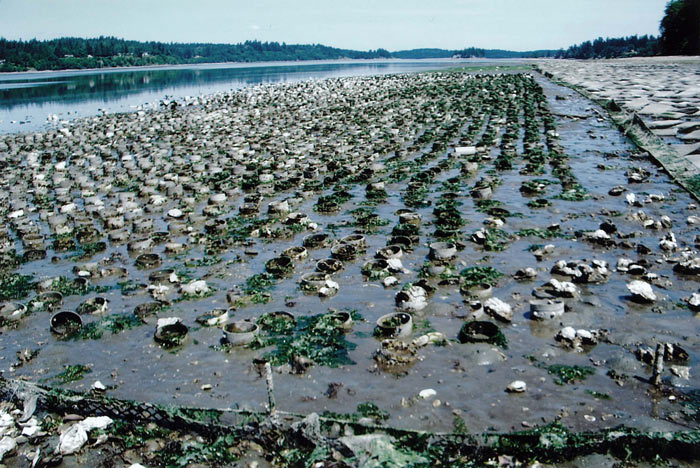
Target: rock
(331,288)
(563,288)
(95,422)
(176,213)
(7,445)
(167,321)
(516,386)
(617,191)
(412,299)
(641,290)
(390,281)
(98,386)
(427,393)
(395,265)
(688,267)
(668,242)
(72,440)
(369,448)
(525,274)
(693,302)
(577,338)
(682,372)
(566,334)
(195,288)
(31,428)
(498,309)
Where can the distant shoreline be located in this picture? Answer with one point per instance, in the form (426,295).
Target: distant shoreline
(285,63)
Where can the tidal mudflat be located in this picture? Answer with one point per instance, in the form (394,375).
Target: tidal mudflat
(456,252)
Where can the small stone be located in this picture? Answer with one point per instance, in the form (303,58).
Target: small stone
(195,288)
(517,386)
(175,213)
(390,281)
(589,418)
(98,386)
(206,387)
(567,334)
(427,393)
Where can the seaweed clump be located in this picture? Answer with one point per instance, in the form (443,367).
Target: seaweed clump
(319,339)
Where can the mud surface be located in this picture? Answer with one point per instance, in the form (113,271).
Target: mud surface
(469,380)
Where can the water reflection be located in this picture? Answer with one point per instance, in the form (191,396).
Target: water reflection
(28,98)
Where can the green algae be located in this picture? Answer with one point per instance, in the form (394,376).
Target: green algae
(569,374)
(15,286)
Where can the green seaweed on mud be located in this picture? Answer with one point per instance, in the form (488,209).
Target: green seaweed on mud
(114,323)
(72,373)
(177,453)
(473,276)
(68,287)
(194,297)
(538,203)
(598,395)
(257,288)
(88,249)
(483,206)
(459,426)
(15,286)
(549,233)
(495,240)
(576,194)
(207,260)
(366,220)
(277,324)
(364,410)
(569,374)
(316,337)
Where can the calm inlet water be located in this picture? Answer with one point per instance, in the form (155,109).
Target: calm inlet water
(34,101)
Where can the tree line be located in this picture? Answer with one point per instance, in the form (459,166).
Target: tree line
(79,53)
(680,35)
(103,52)
(631,46)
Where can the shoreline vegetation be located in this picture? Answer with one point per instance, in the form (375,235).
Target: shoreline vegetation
(109,52)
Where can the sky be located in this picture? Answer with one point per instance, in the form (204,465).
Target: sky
(351,24)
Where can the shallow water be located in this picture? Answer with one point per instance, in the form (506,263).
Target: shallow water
(28,99)
(470,379)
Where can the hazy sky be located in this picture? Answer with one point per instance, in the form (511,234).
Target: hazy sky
(352,24)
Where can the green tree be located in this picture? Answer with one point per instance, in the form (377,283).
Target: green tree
(680,28)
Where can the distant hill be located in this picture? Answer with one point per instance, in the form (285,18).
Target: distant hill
(102,52)
(469,53)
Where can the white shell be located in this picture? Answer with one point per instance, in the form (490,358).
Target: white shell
(500,309)
(517,386)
